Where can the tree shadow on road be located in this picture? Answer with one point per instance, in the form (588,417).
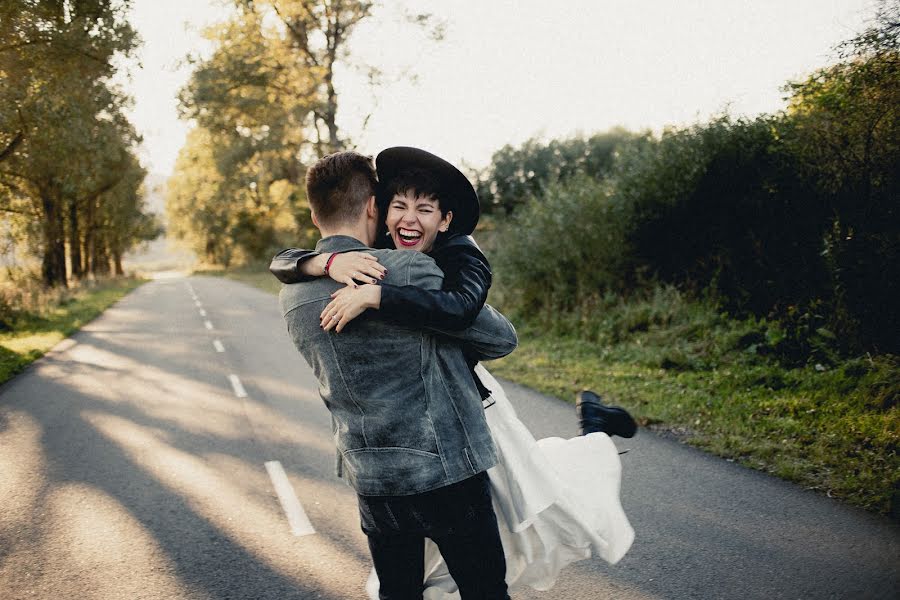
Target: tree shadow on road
(215,562)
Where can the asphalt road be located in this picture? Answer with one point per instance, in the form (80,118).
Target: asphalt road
(132,466)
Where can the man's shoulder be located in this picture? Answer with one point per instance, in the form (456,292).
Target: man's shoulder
(406,266)
(293,295)
(401,257)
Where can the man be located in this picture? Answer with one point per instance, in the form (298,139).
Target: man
(408,419)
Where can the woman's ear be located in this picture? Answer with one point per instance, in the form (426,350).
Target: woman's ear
(315,220)
(445,222)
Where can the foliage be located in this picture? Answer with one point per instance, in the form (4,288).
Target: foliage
(687,371)
(69,179)
(265,104)
(792,217)
(715,207)
(563,247)
(846,136)
(734,283)
(721,207)
(34,318)
(224,220)
(516,174)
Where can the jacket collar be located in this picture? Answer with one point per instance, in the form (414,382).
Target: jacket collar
(340,243)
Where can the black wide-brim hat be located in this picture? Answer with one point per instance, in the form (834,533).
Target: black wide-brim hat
(454,186)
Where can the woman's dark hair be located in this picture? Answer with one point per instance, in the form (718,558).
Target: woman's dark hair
(420,183)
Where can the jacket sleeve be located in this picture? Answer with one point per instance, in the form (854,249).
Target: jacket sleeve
(285,266)
(467,279)
(490,336)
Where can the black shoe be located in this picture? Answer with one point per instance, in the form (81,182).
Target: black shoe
(594,416)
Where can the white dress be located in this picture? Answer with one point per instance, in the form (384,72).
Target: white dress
(557,502)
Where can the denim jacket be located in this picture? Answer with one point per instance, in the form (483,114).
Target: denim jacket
(467,278)
(407,417)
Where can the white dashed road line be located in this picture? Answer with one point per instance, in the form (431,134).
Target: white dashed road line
(296,516)
(239,390)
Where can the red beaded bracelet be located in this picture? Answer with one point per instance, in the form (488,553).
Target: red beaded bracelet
(329,261)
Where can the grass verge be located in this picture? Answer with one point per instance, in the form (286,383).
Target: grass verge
(29,333)
(687,371)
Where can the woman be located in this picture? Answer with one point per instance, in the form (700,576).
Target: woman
(557,501)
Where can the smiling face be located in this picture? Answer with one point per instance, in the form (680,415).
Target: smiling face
(415,222)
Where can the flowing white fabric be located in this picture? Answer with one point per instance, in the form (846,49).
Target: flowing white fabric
(557,502)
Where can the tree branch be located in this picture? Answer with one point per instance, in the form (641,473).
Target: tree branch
(16,212)
(10,148)
(300,36)
(26,43)
(20,176)
(49,41)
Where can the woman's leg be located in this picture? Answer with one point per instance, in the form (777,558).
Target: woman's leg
(594,416)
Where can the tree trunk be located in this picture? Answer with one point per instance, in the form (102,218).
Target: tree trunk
(331,110)
(75,240)
(85,263)
(89,238)
(100,260)
(117,261)
(53,264)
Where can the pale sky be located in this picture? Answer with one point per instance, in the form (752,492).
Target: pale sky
(509,70)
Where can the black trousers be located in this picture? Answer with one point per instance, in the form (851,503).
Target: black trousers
(459,518)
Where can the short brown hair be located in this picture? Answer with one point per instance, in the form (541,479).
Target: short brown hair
(339,185)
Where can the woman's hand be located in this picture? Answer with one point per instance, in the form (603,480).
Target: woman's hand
(347,304)
(350,267)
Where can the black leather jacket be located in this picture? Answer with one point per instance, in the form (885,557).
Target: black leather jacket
(467,279)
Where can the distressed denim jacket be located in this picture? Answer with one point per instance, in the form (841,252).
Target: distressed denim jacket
(406,414)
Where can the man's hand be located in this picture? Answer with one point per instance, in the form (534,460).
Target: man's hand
(347,304)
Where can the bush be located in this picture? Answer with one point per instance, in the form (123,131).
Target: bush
(791,218)
(720,207)
(517,174)
(563,248)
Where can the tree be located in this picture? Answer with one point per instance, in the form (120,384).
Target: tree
(517,174)
(196,201)
(846,134)
(267,104)
(56,57)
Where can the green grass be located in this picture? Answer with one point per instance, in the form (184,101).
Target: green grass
(31,331)
(687,371)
